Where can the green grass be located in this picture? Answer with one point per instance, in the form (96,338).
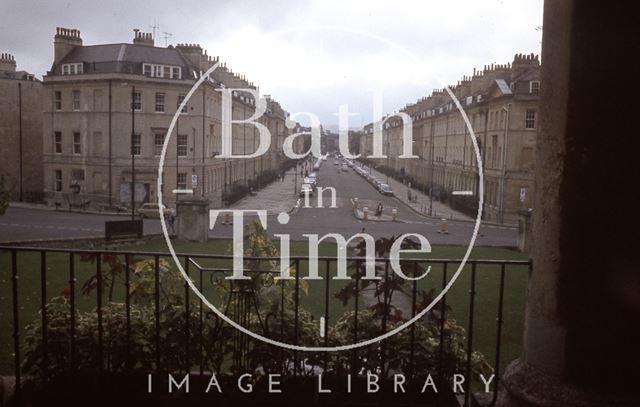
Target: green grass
(486,303)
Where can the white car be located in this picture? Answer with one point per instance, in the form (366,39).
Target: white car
(151,210)
(306,189)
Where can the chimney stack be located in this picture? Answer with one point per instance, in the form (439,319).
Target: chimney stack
(65,40)
(7,63)
(141,38)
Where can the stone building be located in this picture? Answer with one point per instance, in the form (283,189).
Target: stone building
(97,96)
(501,103)
(20,131)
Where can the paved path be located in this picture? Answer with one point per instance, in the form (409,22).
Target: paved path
(279,196)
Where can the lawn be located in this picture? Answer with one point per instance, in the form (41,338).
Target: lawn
(486,303)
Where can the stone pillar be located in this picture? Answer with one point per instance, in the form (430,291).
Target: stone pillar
(582,336)
(192,219)
(524,230)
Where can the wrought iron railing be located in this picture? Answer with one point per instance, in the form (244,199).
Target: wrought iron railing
(242,304)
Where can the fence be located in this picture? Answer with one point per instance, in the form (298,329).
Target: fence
(201,331)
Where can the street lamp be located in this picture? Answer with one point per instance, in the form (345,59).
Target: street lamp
(133,155)
(507,109)
(20,132)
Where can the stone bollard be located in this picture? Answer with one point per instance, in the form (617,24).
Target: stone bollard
(365,213)
(355,202)
(394,214)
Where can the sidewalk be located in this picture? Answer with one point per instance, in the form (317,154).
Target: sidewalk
(43,207)
(421,206)
(276,197)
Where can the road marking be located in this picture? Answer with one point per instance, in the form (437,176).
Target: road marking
(467,193)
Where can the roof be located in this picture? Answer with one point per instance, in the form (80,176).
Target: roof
(18,75)
(125,52)
(503,86)
(127,58)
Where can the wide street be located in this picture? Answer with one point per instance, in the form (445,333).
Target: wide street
(28,223)
(342,220)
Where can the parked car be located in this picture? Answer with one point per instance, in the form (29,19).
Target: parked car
(150,210)
(312,180)
(385,189)
(306,189)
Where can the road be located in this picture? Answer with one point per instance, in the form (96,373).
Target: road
(20,224)
(26,223)
(342,220)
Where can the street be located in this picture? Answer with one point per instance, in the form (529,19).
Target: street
(19,224)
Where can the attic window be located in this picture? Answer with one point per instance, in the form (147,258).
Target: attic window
(534,87)
(161,71)
(72,69)
(469,100)
(479,98)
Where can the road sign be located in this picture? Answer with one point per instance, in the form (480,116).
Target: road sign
(194,181)
(523,193)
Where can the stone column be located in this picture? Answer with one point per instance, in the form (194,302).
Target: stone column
(582,329)
(192,218)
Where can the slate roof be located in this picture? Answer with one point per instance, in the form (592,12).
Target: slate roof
(123,58)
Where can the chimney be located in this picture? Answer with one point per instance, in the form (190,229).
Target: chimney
(193,52)
(140,38)
(65,40)
(522,63)
(7,63)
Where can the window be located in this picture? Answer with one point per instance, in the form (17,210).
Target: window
(77,146)
(136,101)
(182,145)
(158,142)
(135,144)
(160,102)
(180,99)
(77,175)
(57,184)
(72,69)
(534,87)
(75,97)
(57,142)
(57,100)
(162,71)
(182,180)
(530,119)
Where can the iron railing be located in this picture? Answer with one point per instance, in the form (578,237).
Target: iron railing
(242,305)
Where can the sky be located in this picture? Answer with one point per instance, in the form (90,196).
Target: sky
(312,56)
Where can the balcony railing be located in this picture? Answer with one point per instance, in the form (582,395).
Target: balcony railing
(200,329)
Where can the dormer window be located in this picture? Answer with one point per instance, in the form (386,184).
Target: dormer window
(534,87)
(72,69)
(162,71)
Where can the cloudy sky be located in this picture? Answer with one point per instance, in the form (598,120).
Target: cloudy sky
(313,55)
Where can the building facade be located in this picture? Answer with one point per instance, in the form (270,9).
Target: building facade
(501,104)
(107,111)
(20,131)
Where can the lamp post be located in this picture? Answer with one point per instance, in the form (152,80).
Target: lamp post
(503,175)
(20,132)
(133,155)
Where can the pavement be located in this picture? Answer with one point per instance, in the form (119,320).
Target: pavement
(279,196)
(422,204)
